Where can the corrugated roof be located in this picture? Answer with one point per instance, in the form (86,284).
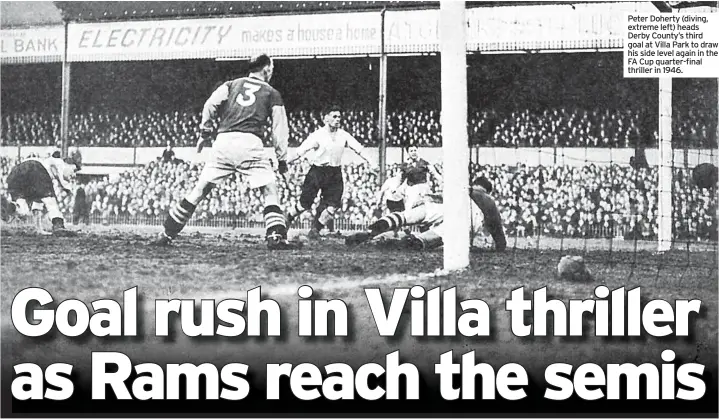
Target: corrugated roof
(18,14)
(117,10)
(112,10)
(41,13)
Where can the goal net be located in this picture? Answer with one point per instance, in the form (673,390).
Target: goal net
(583,160)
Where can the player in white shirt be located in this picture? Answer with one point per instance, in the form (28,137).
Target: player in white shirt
(391,194)
(325,175)
(31,182)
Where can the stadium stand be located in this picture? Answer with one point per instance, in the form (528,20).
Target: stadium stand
(557,127)
(591,201)
(523,100)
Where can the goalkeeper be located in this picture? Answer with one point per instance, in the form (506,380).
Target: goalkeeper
(485,219)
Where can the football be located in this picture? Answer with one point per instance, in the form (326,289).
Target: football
(573,268)
(705,175)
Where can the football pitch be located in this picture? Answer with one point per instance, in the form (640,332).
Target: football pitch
(102,262)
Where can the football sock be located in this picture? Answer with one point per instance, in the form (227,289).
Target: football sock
(177,217)
(296,210)
(22,208)
(53,209)
(317,224)
(387,223)
(275,221)
(325,217)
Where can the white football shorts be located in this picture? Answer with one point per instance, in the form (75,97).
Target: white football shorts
(415,195)
(239,152)
(434,218)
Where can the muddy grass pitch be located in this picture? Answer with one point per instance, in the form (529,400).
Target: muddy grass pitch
(102,262)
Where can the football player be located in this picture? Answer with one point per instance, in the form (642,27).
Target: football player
(391,194)
(329,143)
(485,218)
(415,173)
(244,107)
(31,183)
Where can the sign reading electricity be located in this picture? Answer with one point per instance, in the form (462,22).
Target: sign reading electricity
(535,27)
(210,38)
(153,37)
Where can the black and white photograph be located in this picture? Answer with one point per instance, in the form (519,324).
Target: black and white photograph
(359,208)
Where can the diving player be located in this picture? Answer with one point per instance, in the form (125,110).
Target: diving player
(31,181)
(485,217)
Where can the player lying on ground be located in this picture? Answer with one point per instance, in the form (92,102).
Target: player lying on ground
(31,182)
(243,107)
(392,195)
(485,218)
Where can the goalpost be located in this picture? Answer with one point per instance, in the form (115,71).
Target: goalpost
(455,148)
(666,163)
(456,153)
(665,208)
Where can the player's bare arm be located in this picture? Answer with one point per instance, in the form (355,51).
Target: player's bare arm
(62,173)
(435,173)
(389,186)
(309,144)
(379,197)
(355,146)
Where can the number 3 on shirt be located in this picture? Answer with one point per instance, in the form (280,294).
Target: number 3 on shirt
(248,97)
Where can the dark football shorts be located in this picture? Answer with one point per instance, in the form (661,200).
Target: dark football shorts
(395,206)
(30,180)
(328,180)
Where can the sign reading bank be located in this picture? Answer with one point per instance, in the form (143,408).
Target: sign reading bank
(510,28)
(45,44)
(348,33)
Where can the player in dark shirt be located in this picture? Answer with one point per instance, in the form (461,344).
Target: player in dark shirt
(243,107)
(416,172)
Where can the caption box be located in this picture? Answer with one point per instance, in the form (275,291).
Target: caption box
(682,45)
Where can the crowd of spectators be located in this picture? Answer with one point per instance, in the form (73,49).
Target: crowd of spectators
(548,200)
(558,127)
(571,201)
